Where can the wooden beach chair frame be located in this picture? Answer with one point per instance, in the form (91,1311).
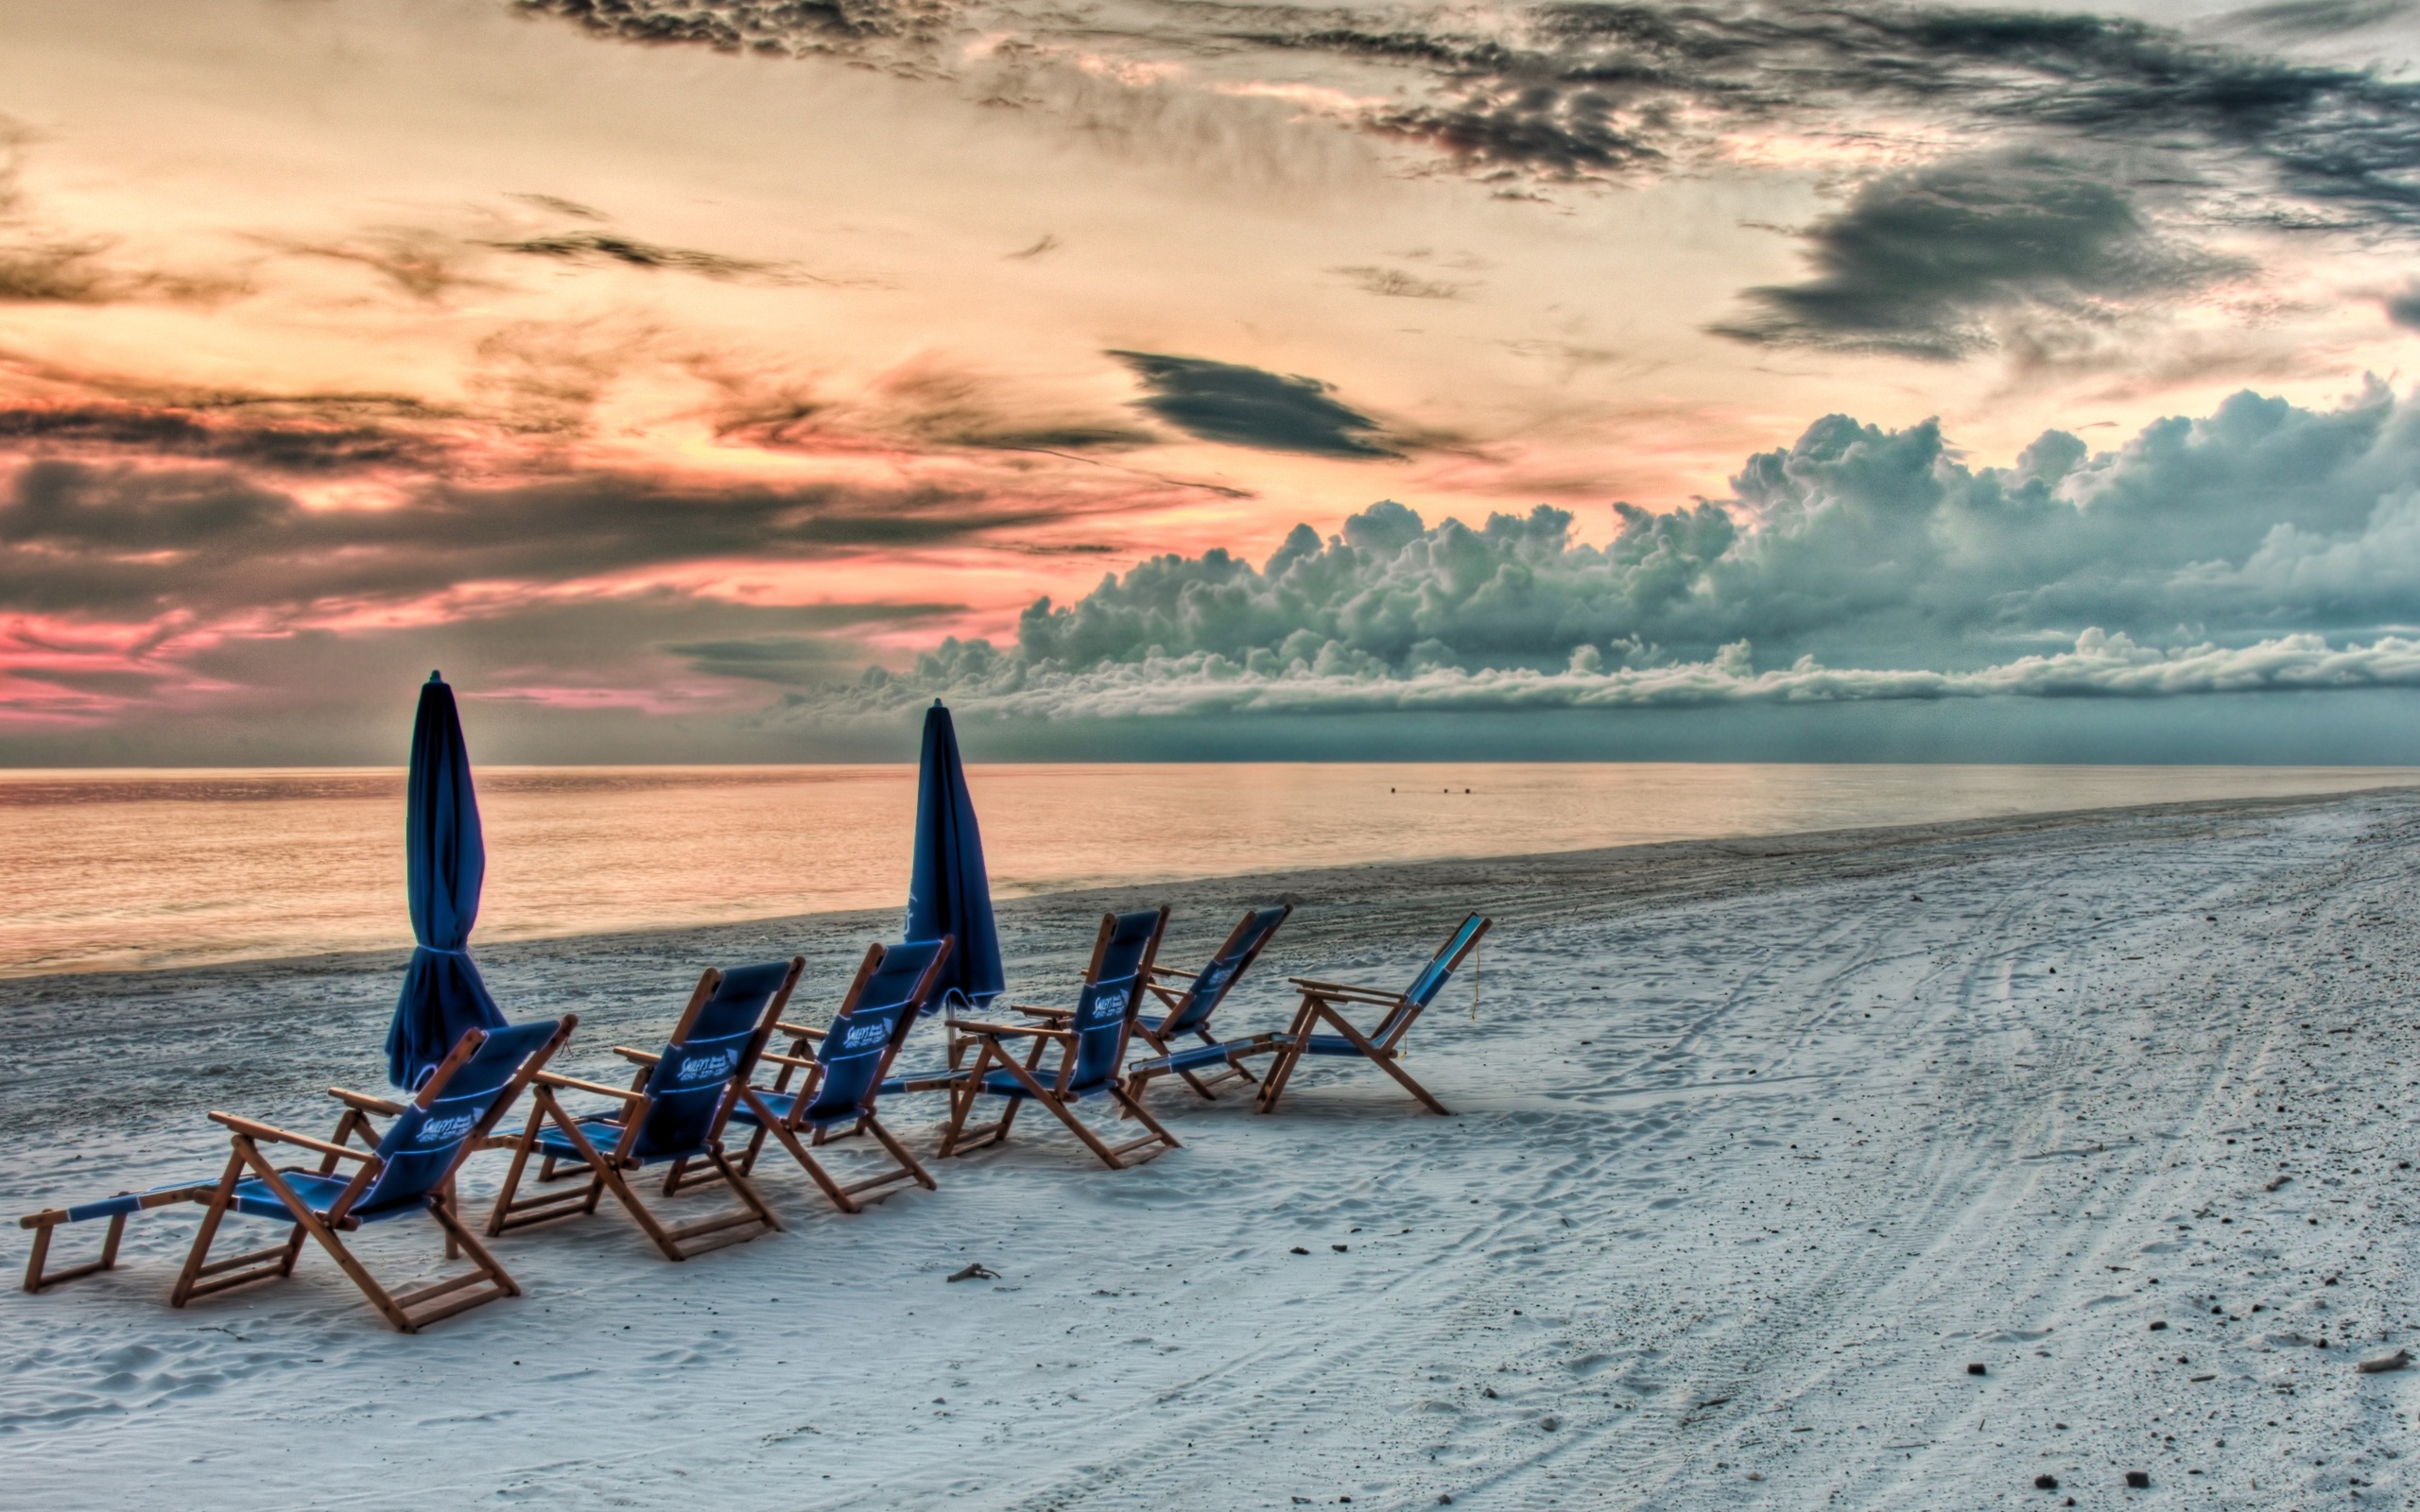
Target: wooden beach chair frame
(355,1124)
(803,1061)
(411,1310)
(1324,1003)
(609,1170)
(992,1050)
(1174,989)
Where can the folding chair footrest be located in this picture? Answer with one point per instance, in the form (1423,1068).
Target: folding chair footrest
(544,1208)
(457,1300)
(262,1264)
(877,1182)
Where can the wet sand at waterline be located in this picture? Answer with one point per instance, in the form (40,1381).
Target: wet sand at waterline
(1760,1145)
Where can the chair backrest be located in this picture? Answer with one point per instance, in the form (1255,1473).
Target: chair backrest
(893,986)
(1432,977)
(713,1050)
(1113,987)
(464,1098)
(1201,998)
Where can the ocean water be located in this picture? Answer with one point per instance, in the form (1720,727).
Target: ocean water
(142,870)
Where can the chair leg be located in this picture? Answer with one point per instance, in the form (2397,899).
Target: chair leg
(899,1152)
(813,1167)
(1281,1071)
(1133,1108)
(500,1215)
(35,1278)
(964,1095)
(1387,1064)
(199,1255)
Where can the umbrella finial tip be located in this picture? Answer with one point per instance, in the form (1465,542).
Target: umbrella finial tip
(435,675)
(936,703)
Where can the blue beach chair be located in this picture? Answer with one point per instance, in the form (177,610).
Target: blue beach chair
(1091,1041)
(1189,1012)
(1324,1003)
(410,1171)
(672,1113)
(842,1069)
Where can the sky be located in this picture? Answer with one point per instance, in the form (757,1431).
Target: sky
(1157,379)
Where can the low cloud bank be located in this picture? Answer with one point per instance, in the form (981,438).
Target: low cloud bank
(2265,546)
(982,683)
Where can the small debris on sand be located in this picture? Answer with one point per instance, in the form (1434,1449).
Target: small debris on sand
(2138,1480)
(2046,1483)
(2385,1363)
(976,1272)
(1977,1370)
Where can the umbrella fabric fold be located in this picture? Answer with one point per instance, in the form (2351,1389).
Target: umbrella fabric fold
(948,892)
(445,860)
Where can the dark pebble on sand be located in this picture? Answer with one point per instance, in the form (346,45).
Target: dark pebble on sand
(1300,1250)
(2138,1480)
(2156,1327)
(2046,1483)
(1977,1370)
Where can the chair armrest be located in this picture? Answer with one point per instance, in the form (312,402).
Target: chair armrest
(366,1103)
(1002,1031)
(1041,1012)
(556,1078)
(1171,971)
(800,1062)
(1338,991)
(270,1131)
(643,1057)
(800,1030)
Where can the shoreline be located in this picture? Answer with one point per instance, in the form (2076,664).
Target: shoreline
(1302,886)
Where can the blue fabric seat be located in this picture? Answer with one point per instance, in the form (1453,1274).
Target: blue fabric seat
(1324,1003)
(1329,1044)
(1189,1010)
(1184,1060)
(256,1199)
(673,1112)
(409,1169)
(605,1133)
(845,1070)
(1090,1040)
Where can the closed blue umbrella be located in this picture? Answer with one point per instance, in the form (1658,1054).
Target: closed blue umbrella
(444,861)
(949,893)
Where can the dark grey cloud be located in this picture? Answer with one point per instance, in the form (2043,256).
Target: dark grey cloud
(2404,308)
(81,538)
(1395,283)
(1238,405)
(302,445)
(794,660)
(1609,90)
(1918,262)
(610,246)
(561,206)
(744,26)
(424,264)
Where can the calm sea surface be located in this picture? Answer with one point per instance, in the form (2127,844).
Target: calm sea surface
(154,869)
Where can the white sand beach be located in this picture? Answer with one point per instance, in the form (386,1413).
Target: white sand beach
(1760,1147)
